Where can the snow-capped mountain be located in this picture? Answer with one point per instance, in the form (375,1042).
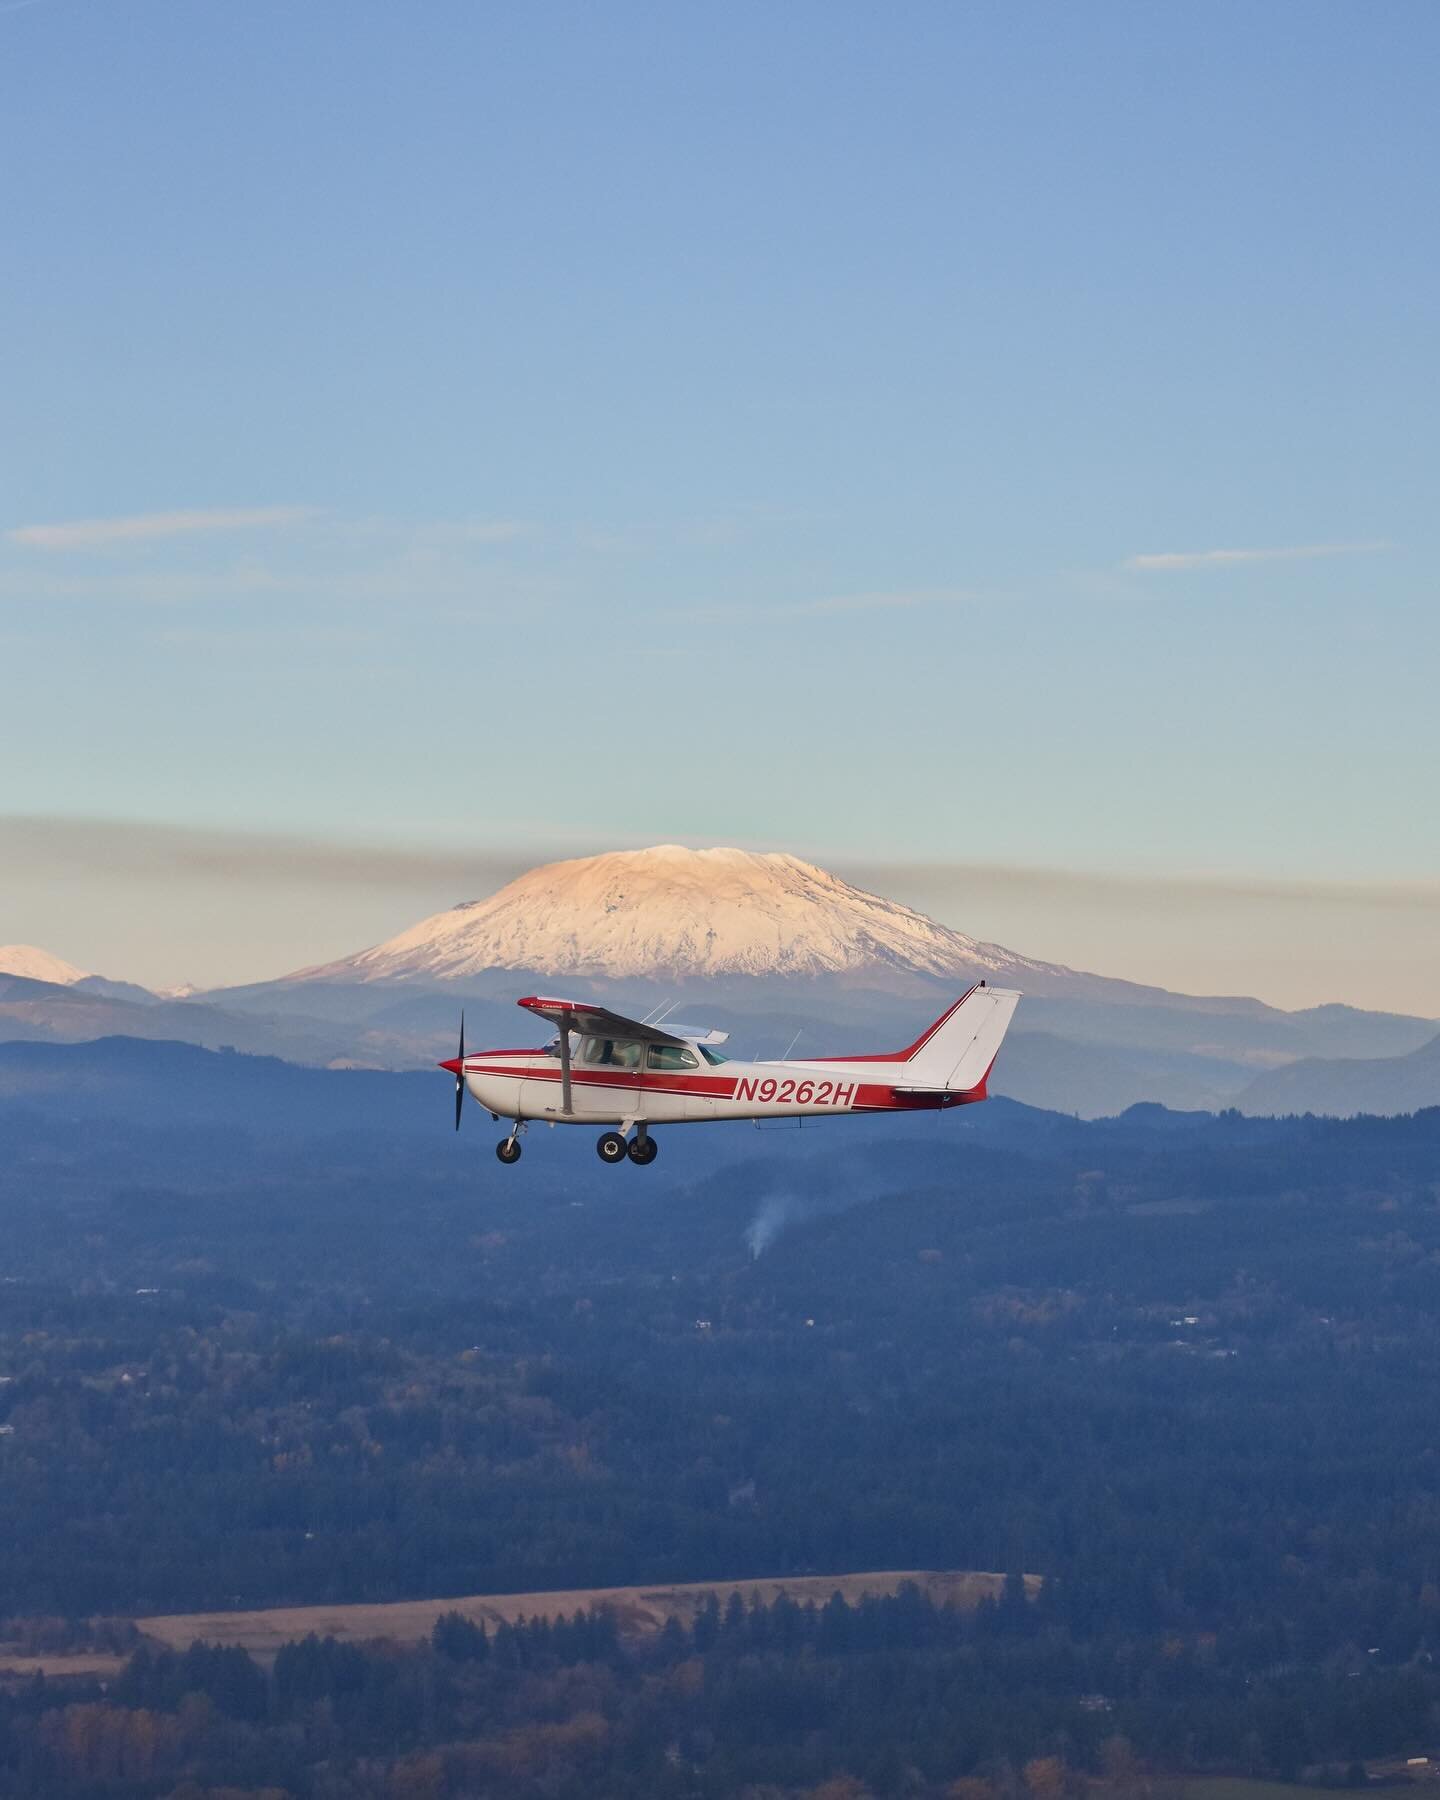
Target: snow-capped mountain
(668,912)
(39,965)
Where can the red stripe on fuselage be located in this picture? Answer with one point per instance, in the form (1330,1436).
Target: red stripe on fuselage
(869,1096)
(716,1087)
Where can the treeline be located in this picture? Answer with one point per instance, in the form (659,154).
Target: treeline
(33,1634)
(897,1696)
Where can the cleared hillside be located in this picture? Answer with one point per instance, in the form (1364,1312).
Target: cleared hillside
(639,1609)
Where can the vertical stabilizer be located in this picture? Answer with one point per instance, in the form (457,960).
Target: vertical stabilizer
(956,1055)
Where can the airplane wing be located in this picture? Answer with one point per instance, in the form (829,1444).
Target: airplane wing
(594,1021)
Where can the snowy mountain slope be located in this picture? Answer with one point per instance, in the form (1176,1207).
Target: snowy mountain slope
(39,965)
(669,912)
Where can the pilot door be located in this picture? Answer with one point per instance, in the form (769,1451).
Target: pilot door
(604,1082)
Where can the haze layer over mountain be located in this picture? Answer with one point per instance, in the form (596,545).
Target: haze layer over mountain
(668,912)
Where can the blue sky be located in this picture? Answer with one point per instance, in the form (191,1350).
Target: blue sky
(519,431)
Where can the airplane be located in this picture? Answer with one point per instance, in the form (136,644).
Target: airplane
(630,1074)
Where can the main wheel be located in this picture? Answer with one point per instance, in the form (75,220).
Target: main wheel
(612,1147)
(508,1150)
(643,1150)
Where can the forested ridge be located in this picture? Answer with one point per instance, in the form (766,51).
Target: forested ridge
(1183,1368)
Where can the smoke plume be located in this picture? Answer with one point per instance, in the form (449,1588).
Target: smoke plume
(774,1215)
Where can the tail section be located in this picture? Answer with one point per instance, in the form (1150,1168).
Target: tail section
(955,1054)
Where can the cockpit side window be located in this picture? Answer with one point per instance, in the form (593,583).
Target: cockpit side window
(670,1056)
(610,1053)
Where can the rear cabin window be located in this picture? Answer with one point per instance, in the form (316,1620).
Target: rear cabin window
(610,1053)
(670,1056)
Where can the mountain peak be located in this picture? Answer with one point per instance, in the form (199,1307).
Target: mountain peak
(672,911)
(38,965)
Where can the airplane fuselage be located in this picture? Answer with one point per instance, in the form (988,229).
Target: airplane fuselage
(604,1069)
(516,1084)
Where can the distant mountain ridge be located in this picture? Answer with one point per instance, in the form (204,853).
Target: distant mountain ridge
(1340,1087)
(43,1012)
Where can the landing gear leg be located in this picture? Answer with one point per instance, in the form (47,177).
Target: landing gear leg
(642,1148)
(508,1149)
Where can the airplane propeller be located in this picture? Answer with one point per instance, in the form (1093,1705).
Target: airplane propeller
(460,1074)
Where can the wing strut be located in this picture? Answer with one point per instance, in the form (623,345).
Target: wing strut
(565,1024)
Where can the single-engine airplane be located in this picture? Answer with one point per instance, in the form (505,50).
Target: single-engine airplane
(630,1074)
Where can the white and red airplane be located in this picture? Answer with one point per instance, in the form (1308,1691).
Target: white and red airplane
(629,1074)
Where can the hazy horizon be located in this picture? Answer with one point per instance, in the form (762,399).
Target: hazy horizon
(222,909)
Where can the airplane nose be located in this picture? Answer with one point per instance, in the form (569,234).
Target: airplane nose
(455,1066)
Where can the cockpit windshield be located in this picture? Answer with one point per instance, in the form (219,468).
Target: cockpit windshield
(713,1057)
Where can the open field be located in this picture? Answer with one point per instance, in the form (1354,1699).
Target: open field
(103,1663)
(640,1609)
(1238,1787)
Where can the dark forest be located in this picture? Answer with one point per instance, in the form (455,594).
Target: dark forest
(1182,1368)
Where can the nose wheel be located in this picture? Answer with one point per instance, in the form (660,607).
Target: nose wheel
(508,1149)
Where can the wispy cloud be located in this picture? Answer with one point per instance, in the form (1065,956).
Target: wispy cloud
(103,534)
(1215,559)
